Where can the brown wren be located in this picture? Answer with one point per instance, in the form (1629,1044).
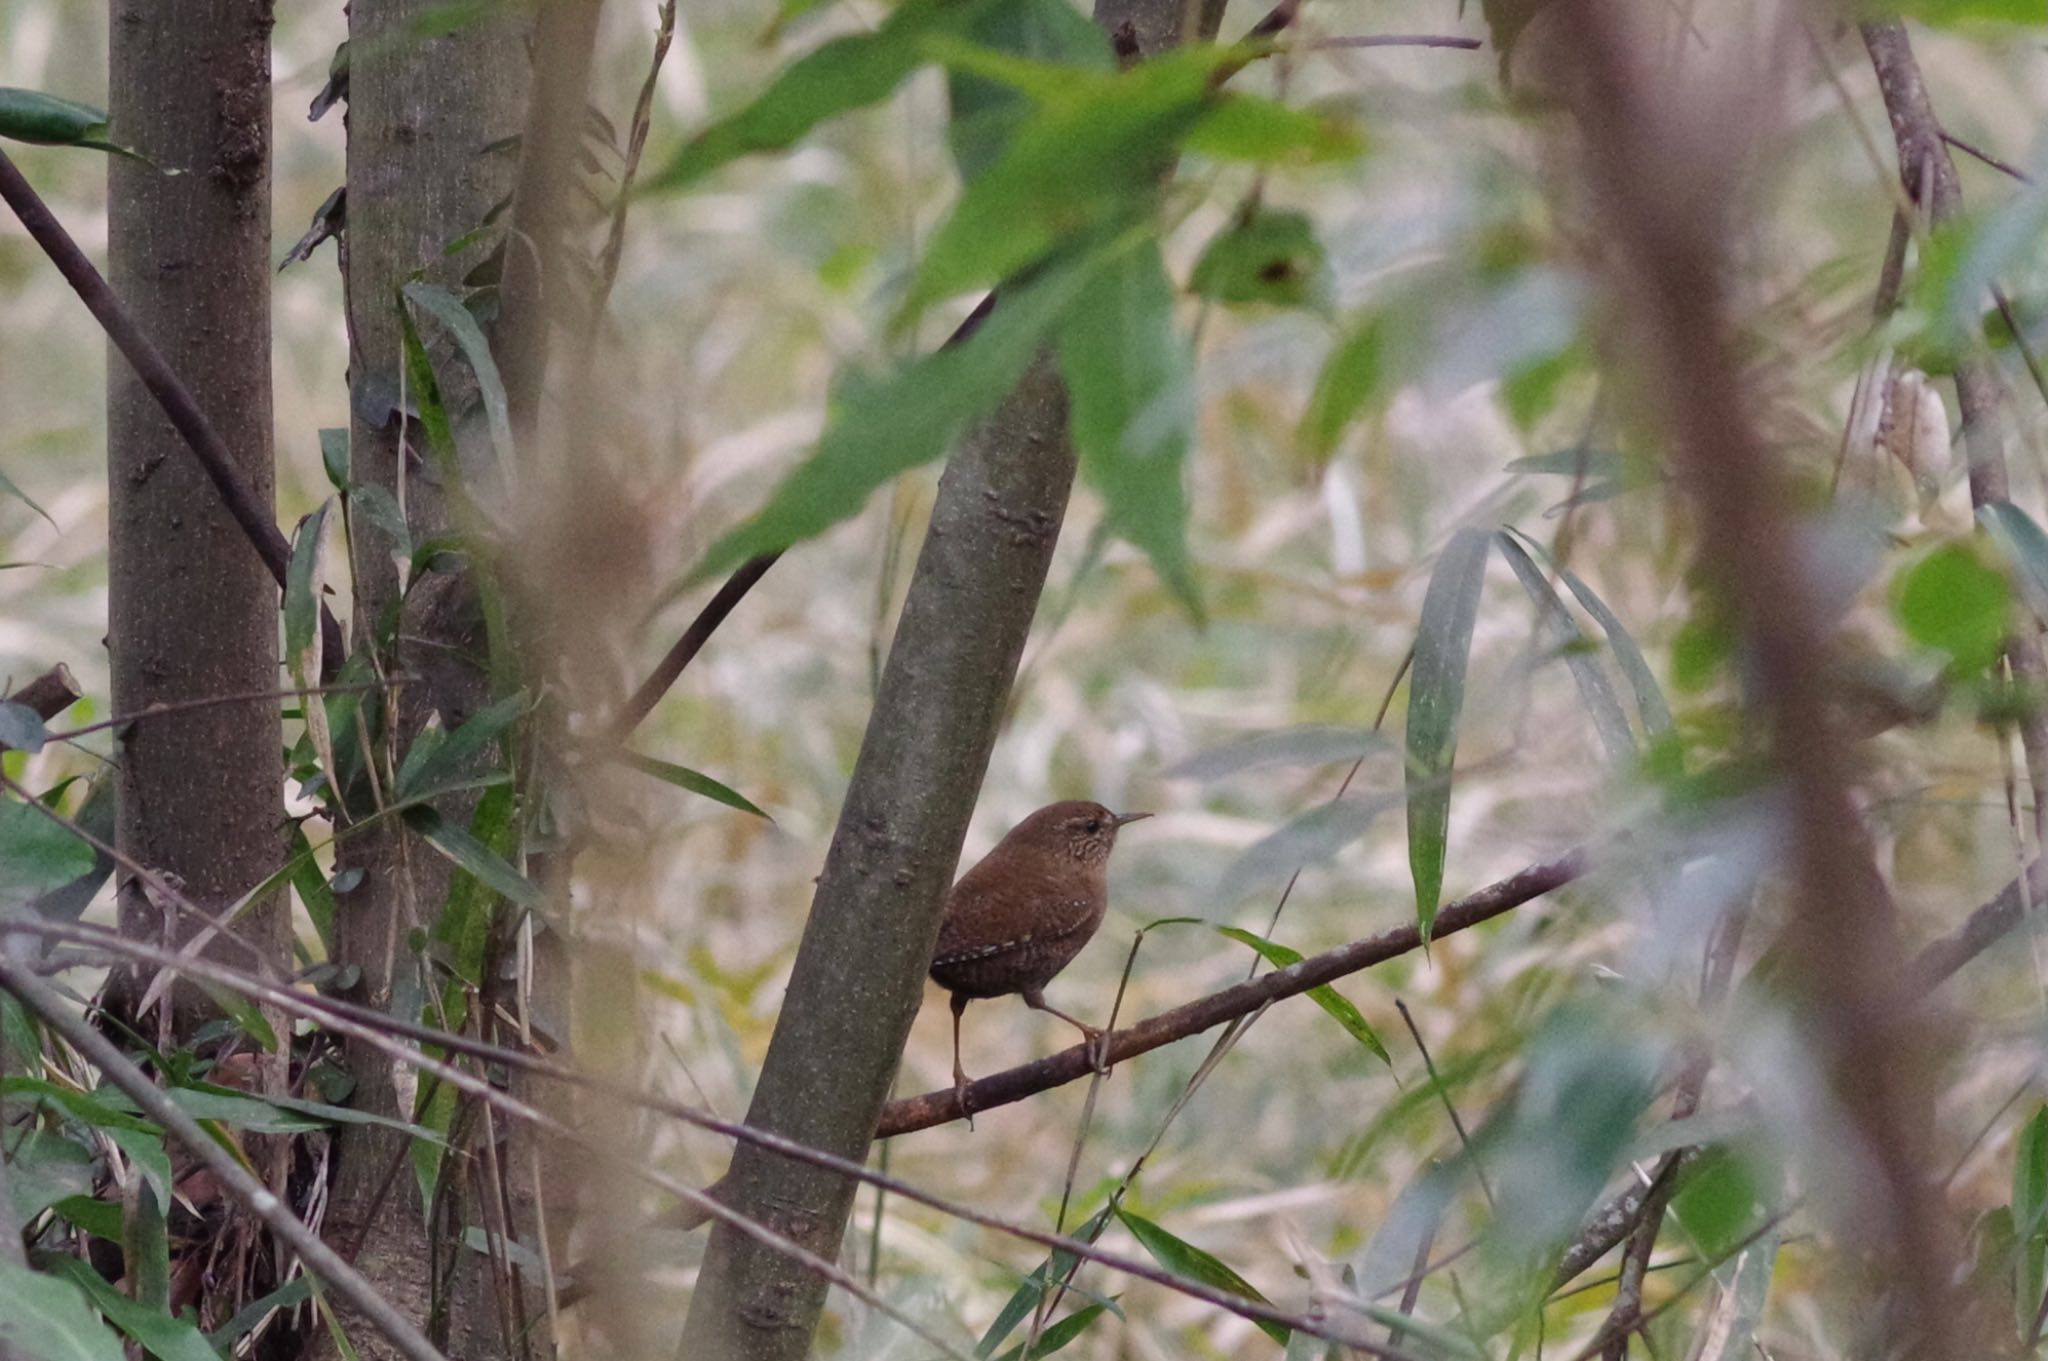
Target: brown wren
(1022,914)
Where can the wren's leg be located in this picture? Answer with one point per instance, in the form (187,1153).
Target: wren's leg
(960,1000)
(1098,1053)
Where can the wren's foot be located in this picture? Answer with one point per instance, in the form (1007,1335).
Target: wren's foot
(960,1096)
(1097,1045)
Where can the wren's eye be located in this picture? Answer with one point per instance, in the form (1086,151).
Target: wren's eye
(1094,825)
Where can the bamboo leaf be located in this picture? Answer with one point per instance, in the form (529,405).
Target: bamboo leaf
(2030,1219)
(1130,376)
(1326,996)
(1596,691)
(472,855)
(911,417)
(447,309)
(49,1319)
(844,74)
(682,777)
(7,488)
(1058,1335)
(1436,698)
(302,592)
(1185,1259)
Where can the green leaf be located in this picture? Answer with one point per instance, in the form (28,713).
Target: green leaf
(1949,13)
(472,855)
(1436,698)
(1650,704)
(1263,132)
(2026,547)
(446,308)
(844,74)
(146,1248)
(1310,745)
(2030,1218)
(284,1297)
(32,116)
(1351,377)
(880,429)
(682,777)
(1306,839)
(1272,257)
(1564,635)
(425,394)
(162,1336)
(1185,1259)
(313,888)
(1716,1203)
(334,457)
(1058,1335)
(441,762)
(1130,380)
(302,590)
(1090,161)
(7,488)
(1025,1299)
(1326,996)
(464,923)
(47,1319)
(381,509)
(1954,602)
(987,111)
(44,1168)
(101,1110)
(36,854)
(22,728)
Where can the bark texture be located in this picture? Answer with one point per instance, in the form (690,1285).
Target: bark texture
(859,973)
(191,610)
(421,111)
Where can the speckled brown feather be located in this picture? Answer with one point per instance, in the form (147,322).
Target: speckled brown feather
(1021,915)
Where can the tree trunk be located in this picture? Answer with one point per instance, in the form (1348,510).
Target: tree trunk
(191,610)
(860,969)
(421,111)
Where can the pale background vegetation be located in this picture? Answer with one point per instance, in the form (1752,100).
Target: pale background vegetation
(737,304)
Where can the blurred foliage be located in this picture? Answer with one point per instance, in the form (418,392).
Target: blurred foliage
(1370,527)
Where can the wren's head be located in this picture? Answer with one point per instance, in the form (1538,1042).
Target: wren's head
(1085,831)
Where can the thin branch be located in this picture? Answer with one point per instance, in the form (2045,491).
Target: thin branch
(689,645)
(1069,1065)
(2006,166)
(378,1029)
(179,405)
(41,1001)
(245,697)
(1398,40)
(636,143)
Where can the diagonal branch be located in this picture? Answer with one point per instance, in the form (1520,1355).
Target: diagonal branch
(180,407)
(41,1001)
(1205,1013)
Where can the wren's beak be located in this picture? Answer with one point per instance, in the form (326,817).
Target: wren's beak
(1120,819)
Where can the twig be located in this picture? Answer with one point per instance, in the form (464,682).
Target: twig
(41,1001)
(377,1030)
(1960,145)
(1000,1089)
(245,697)
(689,645)
(1398,40)
(1444,1095)
(636,142)
(179,405)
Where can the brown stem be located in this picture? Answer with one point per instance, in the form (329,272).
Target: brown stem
(180,407)
(1205,1013)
